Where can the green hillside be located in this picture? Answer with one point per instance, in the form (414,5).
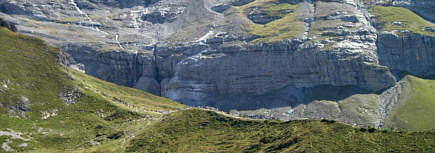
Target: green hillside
(418,110)
(205,131)
(31,84)
(143,102)
(398,18)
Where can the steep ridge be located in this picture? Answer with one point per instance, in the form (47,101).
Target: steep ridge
(300,57)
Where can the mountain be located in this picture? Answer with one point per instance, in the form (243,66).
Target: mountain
(47,107)
(345,60)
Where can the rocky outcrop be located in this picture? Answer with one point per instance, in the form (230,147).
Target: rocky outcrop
(93,4)
(259,14)
(412,53)
(8,25)
(20,107)
(13,8)
(162,14)
(261,17)
(159,17)
(220,8)
(70,95)
(390,98)
(240,2)
(125,68)
(4,85)
(12,136)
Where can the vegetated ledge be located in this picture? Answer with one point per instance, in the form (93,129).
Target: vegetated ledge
(402,21)
(287,23)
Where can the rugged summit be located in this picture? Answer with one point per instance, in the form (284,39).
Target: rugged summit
(296,57)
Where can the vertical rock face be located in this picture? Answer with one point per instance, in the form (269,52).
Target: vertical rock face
(412,53)
(129,69)
(21,106)
(232,75)
(198,73)
(215,63)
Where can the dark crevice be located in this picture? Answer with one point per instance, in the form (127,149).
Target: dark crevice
(156,70)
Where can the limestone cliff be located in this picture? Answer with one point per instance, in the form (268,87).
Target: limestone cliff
(414,53)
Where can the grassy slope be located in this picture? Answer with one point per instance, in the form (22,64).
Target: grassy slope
(31,68)
(143,102)
(361,105)
(204,131)
(418,111)
(289,26)
(410,21)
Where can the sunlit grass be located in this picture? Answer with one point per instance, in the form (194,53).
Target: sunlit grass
(409,20)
